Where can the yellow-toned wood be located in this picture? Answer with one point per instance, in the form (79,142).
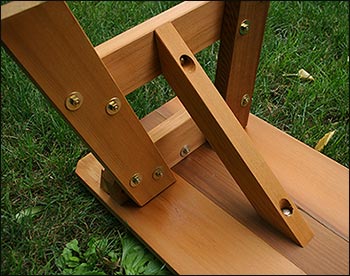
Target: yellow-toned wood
(189,232)
(49,43)
(326,254)
(312,179)
(173,134)
(239,53)
(15,7)
(226,135)
(319,185)
(204,236)
(136,47)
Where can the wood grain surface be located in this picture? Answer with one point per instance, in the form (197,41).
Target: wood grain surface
(189,232)
(49,43)
(311,178)
(199,23)
(239,54)
(228,138)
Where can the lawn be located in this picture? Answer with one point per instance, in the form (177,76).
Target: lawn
(50,223)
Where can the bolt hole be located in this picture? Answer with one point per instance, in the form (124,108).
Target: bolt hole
(286,207)
(187,63)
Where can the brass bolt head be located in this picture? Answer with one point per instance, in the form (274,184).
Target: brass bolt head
(244,28)
(113,106)
(185,150)
(245,100)
(135,180)
(158,173)
(74,101)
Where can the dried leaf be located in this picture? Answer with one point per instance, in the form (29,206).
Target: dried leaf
(324,141)
(304,75)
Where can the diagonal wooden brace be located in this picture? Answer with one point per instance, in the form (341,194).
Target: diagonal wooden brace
(48,41)
(227,136)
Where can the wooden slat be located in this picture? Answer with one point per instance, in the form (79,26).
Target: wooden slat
(48,41)
(239,54)
(227,136)
(311,178)
(199,23)
(319,185)
(326,254)
(190,233)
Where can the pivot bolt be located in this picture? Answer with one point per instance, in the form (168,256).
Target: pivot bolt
(185,150)
(74,101)
(244,28)
(158,173)
(135,180)
(113,106)
(245,100)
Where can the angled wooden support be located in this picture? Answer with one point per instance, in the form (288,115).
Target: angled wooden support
(48,41)
(227,137)
(241,38)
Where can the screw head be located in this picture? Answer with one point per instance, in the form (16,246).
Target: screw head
(244,28)
(135,180)
(74,101)
(287,212)
(185,150)
(245,100)
(113,106)
(158,173)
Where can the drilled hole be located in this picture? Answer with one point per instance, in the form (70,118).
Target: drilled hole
(187,63)
(286,207)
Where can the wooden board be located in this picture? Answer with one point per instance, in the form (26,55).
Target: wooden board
(227,136)
(299,168)
(320,186)
(189,232)
(327,253)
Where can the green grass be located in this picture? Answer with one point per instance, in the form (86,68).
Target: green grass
(39,151)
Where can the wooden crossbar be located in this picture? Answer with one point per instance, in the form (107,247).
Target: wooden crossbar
(136,48)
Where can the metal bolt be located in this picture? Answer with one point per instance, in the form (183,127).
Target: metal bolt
(287,212)
(135,180)
(245,100)
(185,150)
(244,28)
(74,101)
(158,173)
(113,106)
